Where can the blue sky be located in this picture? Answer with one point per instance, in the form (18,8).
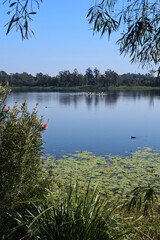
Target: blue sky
(64,41)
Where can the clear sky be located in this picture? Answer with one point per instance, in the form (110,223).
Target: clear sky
(64,41)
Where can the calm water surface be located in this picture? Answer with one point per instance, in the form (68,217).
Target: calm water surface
(99,124)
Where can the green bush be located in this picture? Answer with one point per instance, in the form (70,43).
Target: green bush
(20,156)
(20,150)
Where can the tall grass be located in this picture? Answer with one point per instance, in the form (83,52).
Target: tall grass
(71,217)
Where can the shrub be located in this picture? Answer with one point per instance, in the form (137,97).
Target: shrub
(20,150)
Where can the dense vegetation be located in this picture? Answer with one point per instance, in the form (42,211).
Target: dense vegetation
(138,23)
(81,196)
(118,175)
(90,78)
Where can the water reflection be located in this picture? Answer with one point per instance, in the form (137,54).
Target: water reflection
(100,124)
(109,99)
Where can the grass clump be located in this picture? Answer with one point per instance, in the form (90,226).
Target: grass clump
(71,216)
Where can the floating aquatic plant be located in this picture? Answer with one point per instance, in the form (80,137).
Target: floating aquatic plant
(116,175)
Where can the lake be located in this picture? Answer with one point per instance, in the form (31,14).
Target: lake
(98,124)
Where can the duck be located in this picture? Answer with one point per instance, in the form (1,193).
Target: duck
(132,137)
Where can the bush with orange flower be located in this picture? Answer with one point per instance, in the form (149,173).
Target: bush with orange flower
(21,145)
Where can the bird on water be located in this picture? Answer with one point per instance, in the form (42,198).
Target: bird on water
(132,137)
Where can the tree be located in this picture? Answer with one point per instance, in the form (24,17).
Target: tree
(21,12)
(4,78)
(138,22)
(111,78)
(96,73)
(89,76)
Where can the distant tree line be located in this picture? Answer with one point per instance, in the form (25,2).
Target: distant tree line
(68,79)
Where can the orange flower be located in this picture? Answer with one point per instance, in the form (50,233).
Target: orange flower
(2,125)
(45,126)
(6,109)
(16,109)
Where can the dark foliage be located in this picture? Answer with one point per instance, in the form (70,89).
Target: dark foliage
(90,78)
(21,13)
(137,21)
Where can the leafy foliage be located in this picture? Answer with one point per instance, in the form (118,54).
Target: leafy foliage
(21,12)
(71,216)
(116,177)
(146,196)
(138,22)
(71,79)
(20,147)
(20,163)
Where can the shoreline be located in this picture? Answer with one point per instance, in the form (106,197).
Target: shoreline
(82,89)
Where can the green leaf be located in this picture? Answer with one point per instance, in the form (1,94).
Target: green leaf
(9,27)
(12,4)
(33,13)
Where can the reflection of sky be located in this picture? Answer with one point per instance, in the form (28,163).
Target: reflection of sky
(98,124)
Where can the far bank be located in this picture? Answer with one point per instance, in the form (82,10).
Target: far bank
(87,88)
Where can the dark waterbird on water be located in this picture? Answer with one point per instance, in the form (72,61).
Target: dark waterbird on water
(133,137)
